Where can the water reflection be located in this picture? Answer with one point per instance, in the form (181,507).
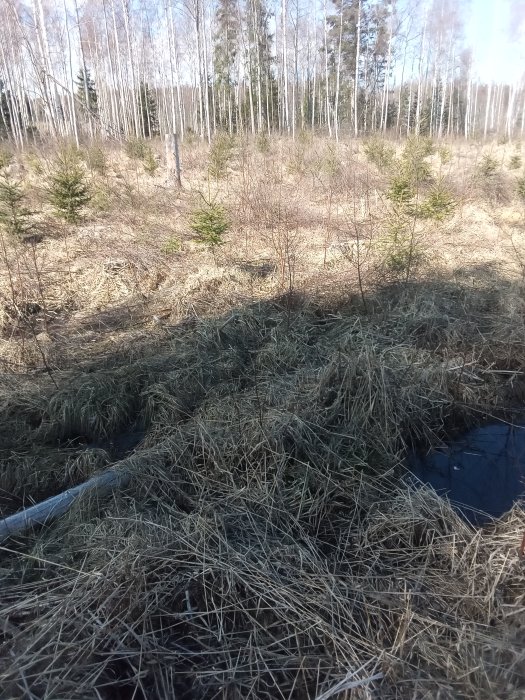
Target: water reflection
(483,472)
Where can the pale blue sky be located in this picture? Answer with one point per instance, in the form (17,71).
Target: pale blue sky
(495,29)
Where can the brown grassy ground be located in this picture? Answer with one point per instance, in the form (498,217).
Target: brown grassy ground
(268,546)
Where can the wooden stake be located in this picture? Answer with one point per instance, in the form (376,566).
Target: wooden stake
(173,158)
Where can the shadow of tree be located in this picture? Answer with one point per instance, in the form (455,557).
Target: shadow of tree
(258,546)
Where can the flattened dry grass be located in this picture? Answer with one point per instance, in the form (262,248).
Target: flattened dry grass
(268,546)
(280,588)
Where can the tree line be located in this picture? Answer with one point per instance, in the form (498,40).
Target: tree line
(137,68)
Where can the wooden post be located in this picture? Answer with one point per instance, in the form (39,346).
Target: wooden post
(172,158)
(177,157)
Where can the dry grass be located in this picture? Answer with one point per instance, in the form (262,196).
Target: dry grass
(269,546)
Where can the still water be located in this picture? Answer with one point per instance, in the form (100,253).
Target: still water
(482,473)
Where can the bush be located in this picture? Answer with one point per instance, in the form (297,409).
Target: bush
(139,149)
(379,152)
(304,137)
(71,153)
(488,166)
(221,152)
(515,162)
(68,191)
(210,223)
(136,149)
(14,216)
(297,159)
(399,259)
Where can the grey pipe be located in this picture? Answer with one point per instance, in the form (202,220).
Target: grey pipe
(102,485)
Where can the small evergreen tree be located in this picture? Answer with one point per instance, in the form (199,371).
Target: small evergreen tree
(210,223)
(137,149)
(379,152)
(86,92)
(221,152)
(148,111)
(68,191)
(150,162)
(14,215)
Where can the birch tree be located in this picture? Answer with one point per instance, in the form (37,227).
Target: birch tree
(345,66)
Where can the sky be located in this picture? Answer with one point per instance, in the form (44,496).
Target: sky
(495,29)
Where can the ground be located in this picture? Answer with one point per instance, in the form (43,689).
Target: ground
(263,393)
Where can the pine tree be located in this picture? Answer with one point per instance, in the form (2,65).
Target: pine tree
(342,28)
(225,50)
(86,92)
(342,42)
(261,70)
(374,50)
(5,114)
(148,111)
(9,112)
(357,23)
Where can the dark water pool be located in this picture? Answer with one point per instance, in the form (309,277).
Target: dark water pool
(482,473)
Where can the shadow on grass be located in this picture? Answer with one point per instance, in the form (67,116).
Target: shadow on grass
(435,355)
(266,545)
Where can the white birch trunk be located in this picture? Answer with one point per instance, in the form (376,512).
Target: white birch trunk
(356,80)
(327,93)
(285,68)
